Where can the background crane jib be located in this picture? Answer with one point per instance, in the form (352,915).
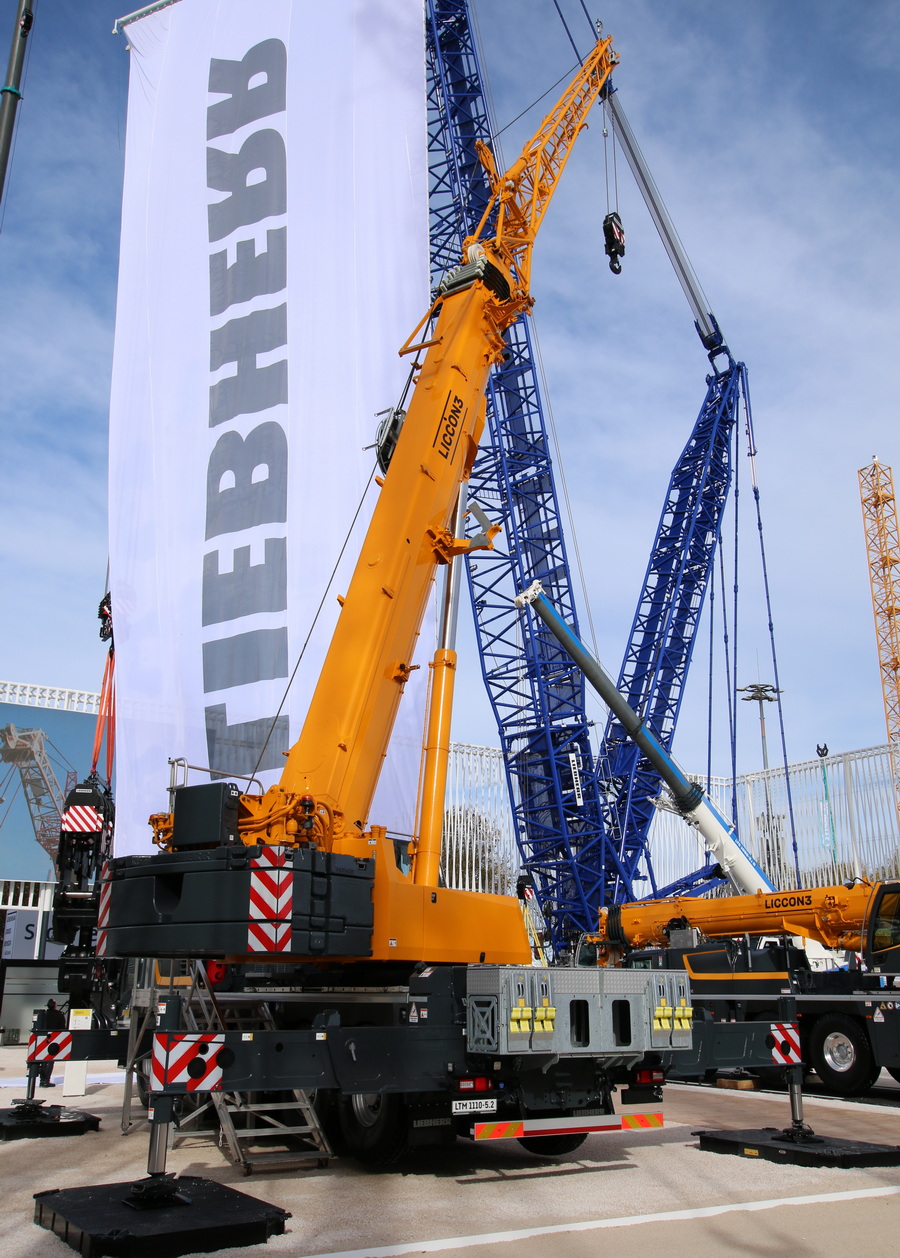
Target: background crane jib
(539,708)
(581,850)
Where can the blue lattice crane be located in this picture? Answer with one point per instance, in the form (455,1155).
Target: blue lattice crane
(537,696)
(582,821)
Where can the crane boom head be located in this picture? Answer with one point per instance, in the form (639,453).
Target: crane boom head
(520,196)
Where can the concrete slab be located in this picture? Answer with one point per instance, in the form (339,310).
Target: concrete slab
(635,1191)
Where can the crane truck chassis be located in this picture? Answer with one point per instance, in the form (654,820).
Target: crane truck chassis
(740,958)
(849,1020)
(398,1053)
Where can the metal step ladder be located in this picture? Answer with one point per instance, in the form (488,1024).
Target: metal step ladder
(255,1131)
(145,994)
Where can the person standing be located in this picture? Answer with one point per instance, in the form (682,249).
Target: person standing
(54,1020)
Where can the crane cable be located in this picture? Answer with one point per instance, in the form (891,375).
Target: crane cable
(751,454)
(315,620)
(730,639)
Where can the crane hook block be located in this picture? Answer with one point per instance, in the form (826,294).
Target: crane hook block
(614,241)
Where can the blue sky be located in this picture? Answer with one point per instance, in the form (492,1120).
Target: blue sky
(772,131)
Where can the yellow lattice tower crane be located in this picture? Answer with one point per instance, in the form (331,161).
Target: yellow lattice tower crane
(879,508)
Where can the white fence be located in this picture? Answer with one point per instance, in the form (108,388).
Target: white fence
(844,822)
(55,697)
(479,846)
(844,810)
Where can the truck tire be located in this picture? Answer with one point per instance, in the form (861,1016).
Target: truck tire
(373,1125)
(840,1054)
(553,1146)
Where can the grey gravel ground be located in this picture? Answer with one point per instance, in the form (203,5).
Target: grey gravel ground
(450,1194)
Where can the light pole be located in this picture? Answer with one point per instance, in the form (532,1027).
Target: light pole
(764,693)
(822,752)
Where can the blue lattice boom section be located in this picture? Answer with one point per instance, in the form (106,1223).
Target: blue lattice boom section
(537,696)
(663,634)
(582,820)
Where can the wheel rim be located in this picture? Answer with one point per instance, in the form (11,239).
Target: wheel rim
(367,1107)
(839,1052)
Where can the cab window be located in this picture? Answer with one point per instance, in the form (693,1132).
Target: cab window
(886,928)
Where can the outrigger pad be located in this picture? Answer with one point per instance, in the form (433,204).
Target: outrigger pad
(32,1120)
(124,1220)
(775,1145)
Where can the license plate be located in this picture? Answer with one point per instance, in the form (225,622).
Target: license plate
(477,1105)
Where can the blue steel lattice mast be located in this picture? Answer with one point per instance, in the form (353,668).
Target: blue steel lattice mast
(537,695)
(584,849)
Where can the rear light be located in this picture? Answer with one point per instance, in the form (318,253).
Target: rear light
(477,1083)
(650,1077)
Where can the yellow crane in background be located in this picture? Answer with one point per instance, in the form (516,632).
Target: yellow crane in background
(879,509)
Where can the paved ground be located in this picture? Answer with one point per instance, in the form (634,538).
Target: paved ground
(640,1193)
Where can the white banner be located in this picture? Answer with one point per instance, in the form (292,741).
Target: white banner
(273,260)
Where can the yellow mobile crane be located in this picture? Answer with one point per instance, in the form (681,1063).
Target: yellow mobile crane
(861,918)
(849,1022)
(323,800)
(849,1016)
(413,1010)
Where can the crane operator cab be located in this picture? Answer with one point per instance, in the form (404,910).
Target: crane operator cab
(883,935)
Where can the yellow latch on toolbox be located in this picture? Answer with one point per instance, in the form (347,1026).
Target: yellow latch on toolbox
(684,1016)
(520,1021)
(545,1019)
(662,1016)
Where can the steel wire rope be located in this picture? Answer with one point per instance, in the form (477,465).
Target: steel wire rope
(63,761)
(596,30)
(564,78)
(315,620)
(726,641)
(4,785)
(568,32)
(751,454)
(733,676)
(711,667)
(559,465)
(609,129)
(486,91)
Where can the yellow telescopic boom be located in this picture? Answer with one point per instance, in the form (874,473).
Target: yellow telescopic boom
(333,769)
(834,916)
(329,779)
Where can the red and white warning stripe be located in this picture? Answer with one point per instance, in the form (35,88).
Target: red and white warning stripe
(103,909)
(271,902)
(513,1129)
(187,1060)
(50,1046)
(786,1046)
(81,819)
